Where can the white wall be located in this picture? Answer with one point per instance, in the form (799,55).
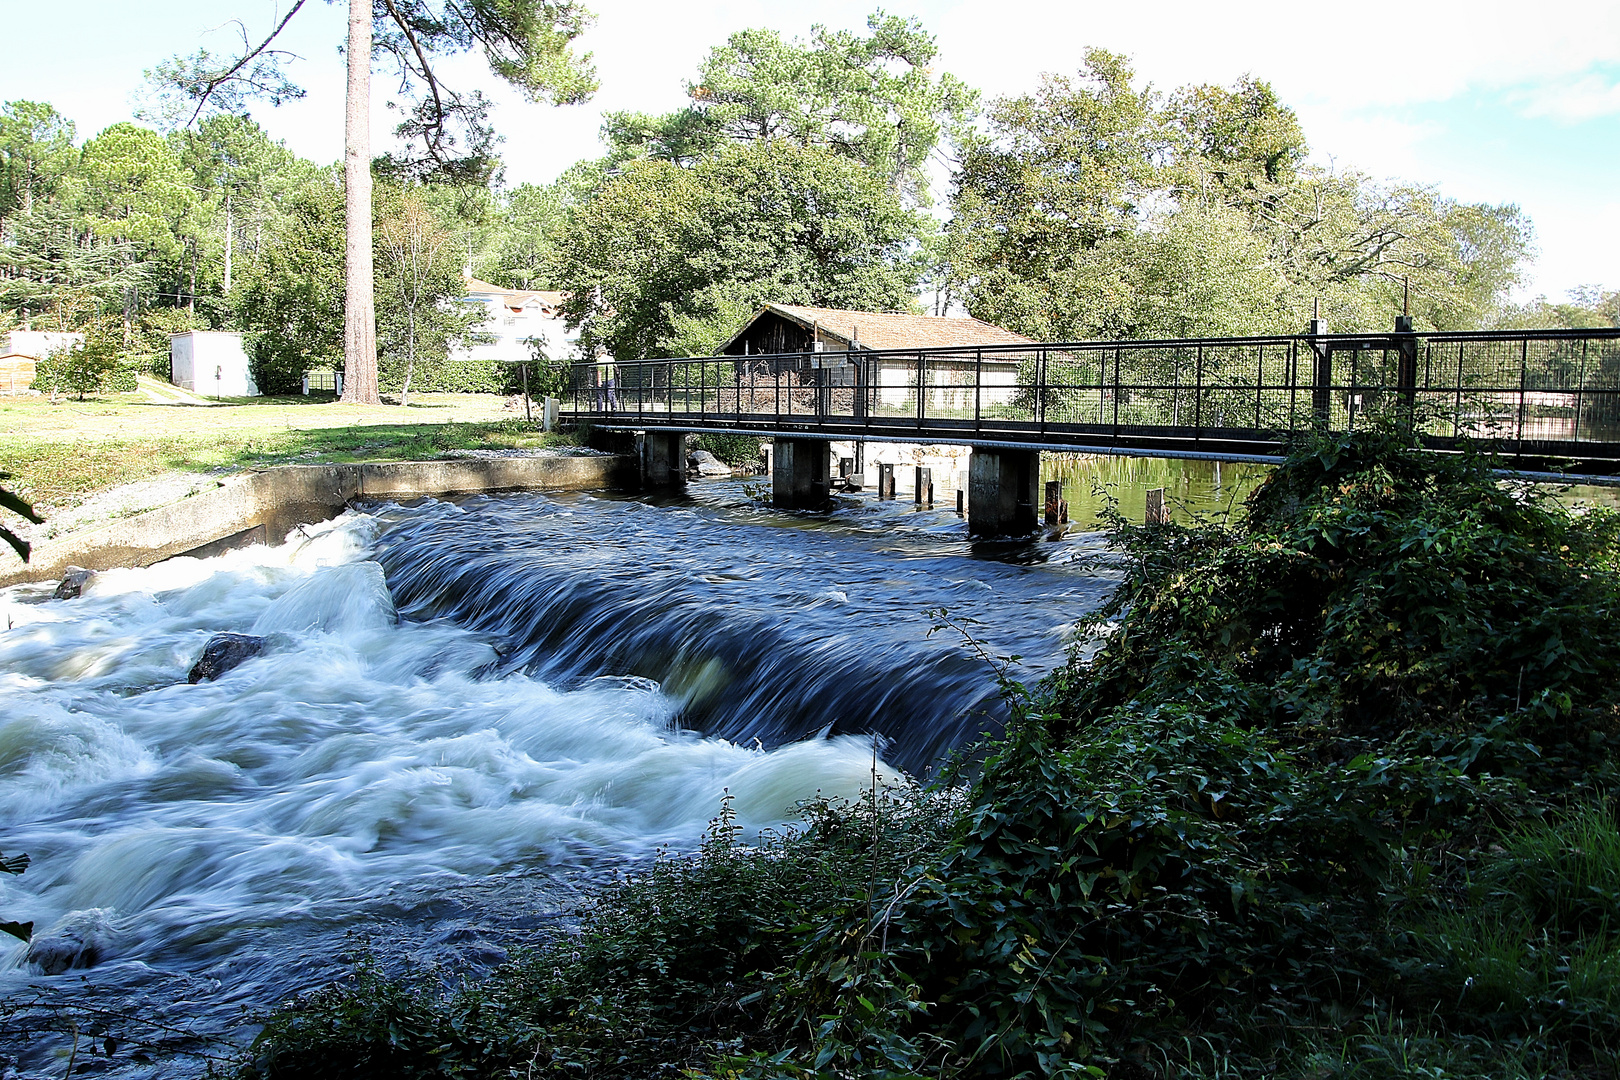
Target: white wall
(37,343)
(510,331)
(211,363)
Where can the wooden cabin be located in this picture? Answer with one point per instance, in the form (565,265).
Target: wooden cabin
(799,338)
(16,373)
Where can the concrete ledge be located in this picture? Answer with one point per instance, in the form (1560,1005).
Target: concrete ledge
(276,500)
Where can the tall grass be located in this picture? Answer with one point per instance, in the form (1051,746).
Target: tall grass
(1535,943)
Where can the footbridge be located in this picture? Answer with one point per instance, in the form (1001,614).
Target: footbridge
(1546,401)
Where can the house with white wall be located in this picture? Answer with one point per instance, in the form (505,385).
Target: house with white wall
(802,339)
(513,317)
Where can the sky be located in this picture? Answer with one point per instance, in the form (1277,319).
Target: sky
(1488,101)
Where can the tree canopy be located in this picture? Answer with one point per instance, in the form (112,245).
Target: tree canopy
(1092,208)
(666,260)
(798,171)
(872,98)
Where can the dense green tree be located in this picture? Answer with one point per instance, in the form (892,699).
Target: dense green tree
(526,42)
(1093,209)
(664,258)
(1362,247)
(1048,200)
(240,176)
(872,97)
(36,152)
(420,281)
(55,274)
(1240,141)
(290,302)
(134,188)
(1203,271)
(527,253)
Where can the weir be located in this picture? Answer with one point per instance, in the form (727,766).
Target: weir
(255,506)
(453,707)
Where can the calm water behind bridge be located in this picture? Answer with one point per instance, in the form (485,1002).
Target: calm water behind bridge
(466,709)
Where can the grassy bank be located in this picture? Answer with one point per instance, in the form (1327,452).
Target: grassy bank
(60,454)
(1331,795)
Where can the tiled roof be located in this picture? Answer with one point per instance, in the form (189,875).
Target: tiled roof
(516,298)
(887,330)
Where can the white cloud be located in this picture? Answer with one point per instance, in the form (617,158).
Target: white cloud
(1572,100)
(1381,53)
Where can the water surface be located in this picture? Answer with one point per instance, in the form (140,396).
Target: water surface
(466,712)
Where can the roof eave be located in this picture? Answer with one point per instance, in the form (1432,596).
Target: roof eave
(810,325)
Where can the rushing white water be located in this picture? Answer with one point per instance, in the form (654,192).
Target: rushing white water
(173,822)
(440,782)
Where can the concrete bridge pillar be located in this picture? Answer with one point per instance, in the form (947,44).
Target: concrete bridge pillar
(1003,491)
(800,474)
(663,459)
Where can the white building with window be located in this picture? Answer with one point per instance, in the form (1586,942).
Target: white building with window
(514,318)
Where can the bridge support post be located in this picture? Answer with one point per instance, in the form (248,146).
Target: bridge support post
(1003,491)
(663,459)
(1321,373)
(1406,367)
(799,474)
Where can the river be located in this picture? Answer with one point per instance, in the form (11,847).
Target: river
(468,711)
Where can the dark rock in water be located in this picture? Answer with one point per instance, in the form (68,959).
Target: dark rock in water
(79,941)
(223,652)
(73,583)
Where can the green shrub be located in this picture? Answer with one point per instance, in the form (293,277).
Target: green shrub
(450,377)
(668,966)
(277,361)
(121,380)
(85,368)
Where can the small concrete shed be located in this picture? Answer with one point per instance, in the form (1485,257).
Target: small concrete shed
(211,363)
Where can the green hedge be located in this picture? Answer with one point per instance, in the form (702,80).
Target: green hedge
(452,377)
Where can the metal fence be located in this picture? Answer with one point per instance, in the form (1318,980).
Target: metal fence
(1547,393)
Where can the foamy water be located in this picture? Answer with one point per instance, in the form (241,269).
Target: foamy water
(169,820)
(438,782)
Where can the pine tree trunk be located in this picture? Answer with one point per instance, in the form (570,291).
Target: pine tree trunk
(230,232)
(359,309)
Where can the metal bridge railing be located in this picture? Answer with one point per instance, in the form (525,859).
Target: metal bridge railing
(1538,392)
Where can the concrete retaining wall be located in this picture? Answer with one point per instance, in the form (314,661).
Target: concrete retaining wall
(270,503)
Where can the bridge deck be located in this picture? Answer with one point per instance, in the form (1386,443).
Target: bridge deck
(1543,399)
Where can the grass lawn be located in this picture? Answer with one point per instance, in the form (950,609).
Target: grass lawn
(60,454)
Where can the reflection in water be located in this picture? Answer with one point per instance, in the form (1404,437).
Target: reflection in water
(1091,481)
